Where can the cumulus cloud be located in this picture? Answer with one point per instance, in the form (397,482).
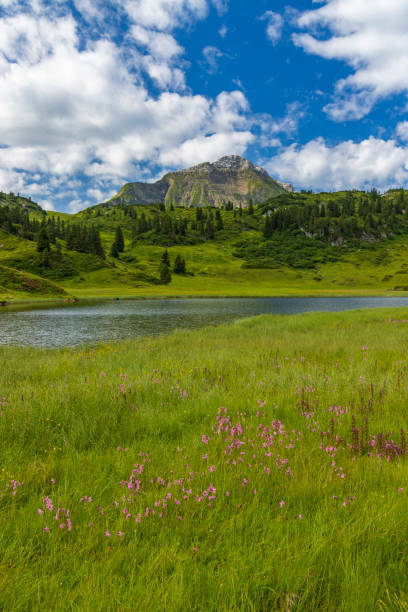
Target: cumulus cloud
(274,26)
(361,165)
(165,15)
(159,44)
(78,111)
(402,131)
(372,38)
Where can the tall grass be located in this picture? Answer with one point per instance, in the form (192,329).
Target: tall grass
(257,466)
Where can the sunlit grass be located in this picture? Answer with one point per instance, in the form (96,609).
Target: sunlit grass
(283,528)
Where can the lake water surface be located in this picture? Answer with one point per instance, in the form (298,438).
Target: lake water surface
(76,324)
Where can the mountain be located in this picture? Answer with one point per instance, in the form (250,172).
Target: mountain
(230,179)
(10,199)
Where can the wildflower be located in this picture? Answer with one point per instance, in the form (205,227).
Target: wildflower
(69,525)
(211,468)
(40,511)
(120,534)
(48,503)
(400,489)
(299,516)
(107,533)
(227,493)
(46,529)
(281,503)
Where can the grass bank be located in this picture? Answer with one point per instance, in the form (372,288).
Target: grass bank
(256,466)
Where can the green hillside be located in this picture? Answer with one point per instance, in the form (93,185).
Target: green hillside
(296,243)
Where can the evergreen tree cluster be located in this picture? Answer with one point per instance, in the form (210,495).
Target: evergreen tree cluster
(349,217)
(16,220)
(179,267)
(84,239)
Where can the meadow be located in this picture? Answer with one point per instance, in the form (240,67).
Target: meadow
(256,466)
(360,250)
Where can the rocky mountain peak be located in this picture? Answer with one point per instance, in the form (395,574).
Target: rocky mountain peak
(233,162)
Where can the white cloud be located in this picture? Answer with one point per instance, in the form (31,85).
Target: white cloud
(207,148)
(316,165)
(372,37)
(165,15)
(159,44)
(211,57)
(47,205)
(274,26)
(76,205)
(80,107)
(221,6)
(223,31)
(402,131)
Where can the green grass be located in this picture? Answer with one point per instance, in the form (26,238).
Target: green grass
(238,262)
(74,422)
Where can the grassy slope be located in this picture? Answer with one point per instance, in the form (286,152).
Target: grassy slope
(75,423)
(379,268)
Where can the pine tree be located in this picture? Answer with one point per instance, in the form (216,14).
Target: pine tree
(219,222)
(114,250)
(179,265)
(165,258)
(120,243)
(165,275)
(43,241)
(209,229)
(268,229)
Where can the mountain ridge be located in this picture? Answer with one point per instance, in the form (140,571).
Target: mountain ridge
(231,178)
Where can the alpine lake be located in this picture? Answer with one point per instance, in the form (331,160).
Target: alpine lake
(106,321)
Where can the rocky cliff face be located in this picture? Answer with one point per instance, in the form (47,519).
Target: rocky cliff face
(230,179)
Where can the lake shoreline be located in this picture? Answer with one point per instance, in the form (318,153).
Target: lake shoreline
(10,303)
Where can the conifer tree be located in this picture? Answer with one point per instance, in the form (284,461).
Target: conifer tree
(114,250)
(209,229)
(165,258)
(219,222)
(43,241)
(165,275)
(120,243)
(179,265)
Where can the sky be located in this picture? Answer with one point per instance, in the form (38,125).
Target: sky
(94,94)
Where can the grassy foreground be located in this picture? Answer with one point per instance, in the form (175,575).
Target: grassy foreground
(257,466)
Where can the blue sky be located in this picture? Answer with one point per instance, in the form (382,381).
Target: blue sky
(96,94)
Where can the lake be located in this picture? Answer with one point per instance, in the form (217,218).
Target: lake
(76,324)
